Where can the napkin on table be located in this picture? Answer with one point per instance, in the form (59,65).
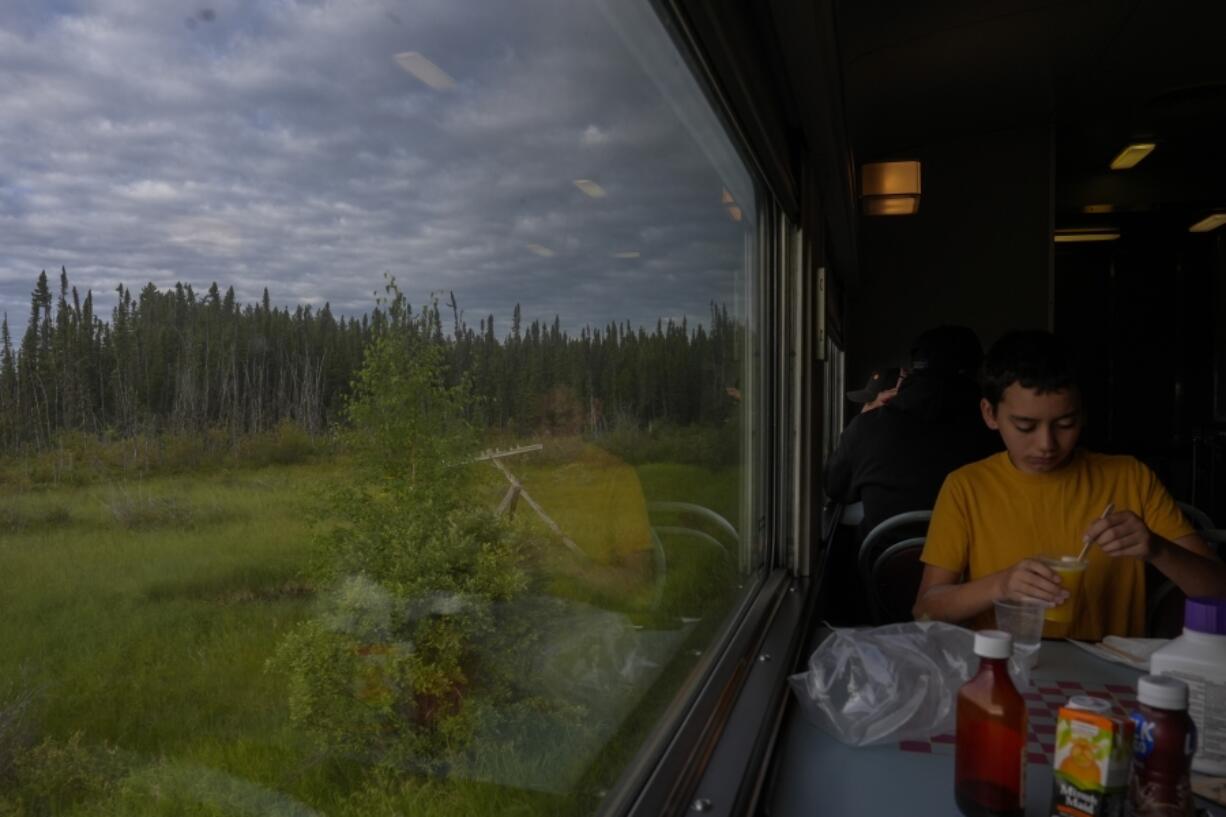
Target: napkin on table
(1131,652)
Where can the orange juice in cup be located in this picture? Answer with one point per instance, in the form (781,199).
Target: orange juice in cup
(1071,570)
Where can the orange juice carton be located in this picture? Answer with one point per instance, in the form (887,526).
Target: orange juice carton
(1092,761)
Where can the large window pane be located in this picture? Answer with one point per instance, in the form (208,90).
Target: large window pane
(375,403)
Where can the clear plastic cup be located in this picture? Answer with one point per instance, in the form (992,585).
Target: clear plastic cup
(1071,572)
(1024,621)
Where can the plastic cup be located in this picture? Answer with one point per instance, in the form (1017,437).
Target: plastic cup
(1071,572)
(1024,621)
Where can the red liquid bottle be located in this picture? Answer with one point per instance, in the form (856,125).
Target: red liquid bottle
(989,756)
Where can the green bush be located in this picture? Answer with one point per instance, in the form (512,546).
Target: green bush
(397,669)
(50,778)
(287,444)
(16,725)
(76,458)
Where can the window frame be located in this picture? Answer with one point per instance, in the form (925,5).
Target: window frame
(711,752)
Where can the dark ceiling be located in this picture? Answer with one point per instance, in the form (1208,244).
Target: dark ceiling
(1098,72)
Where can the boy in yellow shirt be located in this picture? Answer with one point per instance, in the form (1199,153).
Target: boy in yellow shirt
(995,519)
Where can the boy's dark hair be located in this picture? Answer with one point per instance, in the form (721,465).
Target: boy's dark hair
(1033,359)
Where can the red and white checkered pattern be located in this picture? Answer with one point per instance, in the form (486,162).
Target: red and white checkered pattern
(1043,704)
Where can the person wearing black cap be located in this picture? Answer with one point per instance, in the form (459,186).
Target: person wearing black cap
(894,459)
(881,387)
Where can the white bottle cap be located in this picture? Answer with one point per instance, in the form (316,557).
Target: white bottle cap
(1162,691)
(993,644)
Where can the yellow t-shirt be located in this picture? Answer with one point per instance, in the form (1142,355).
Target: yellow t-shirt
(989,516)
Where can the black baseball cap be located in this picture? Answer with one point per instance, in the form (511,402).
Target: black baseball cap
(878,381)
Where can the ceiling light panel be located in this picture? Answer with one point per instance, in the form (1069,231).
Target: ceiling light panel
(1084,236)
(1131,155)
(891,205)
(1206,224)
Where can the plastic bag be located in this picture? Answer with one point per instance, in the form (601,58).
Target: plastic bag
(886,684)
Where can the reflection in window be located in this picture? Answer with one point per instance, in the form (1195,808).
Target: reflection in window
(374,403)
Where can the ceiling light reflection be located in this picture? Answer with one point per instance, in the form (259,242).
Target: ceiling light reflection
(590,188)
(426,71)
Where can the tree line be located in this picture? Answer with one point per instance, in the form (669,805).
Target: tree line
(175,360)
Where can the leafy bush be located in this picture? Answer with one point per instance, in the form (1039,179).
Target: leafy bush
(287,444)
(52,776)
(16,724)
(76,458)
(396,668)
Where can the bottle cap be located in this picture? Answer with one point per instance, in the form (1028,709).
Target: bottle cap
(1162,691)
(993,644)
(1205,614)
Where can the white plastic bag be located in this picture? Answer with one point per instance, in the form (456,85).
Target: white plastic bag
(886,684)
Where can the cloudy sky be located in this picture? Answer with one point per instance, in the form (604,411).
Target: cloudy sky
(310,146)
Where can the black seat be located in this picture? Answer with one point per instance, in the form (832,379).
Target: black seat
(889,565)
(895,580)
(1198,518)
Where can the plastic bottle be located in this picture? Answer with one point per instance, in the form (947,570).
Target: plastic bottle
(1198,658)
(1163,745)
(989,754)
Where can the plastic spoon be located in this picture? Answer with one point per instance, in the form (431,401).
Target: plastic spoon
(1084,548)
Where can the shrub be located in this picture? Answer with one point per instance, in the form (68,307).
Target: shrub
(76,458)
(16,724)
(396,667)
(184,453)
(287,444)
(52,776)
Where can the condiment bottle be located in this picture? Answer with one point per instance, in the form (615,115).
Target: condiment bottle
(989,753)
(1198,658)
(1163,744)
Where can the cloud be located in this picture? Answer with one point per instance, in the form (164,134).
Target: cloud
(282,145)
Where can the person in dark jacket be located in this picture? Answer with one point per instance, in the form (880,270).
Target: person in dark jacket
(894,459)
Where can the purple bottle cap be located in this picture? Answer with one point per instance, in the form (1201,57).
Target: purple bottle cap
(1205,614)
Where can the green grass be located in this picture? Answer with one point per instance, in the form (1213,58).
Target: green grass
(141,616)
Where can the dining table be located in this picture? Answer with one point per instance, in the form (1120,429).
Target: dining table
(815,774)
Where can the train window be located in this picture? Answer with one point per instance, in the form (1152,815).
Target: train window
(378,403)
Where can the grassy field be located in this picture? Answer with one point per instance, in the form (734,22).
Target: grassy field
(139,617)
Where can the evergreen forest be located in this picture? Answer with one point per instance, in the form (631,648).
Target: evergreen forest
(178,361)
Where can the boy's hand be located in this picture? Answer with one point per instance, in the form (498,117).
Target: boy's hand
(1031,580)
(1124,534)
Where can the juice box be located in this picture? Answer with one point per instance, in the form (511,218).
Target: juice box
(1092,761)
